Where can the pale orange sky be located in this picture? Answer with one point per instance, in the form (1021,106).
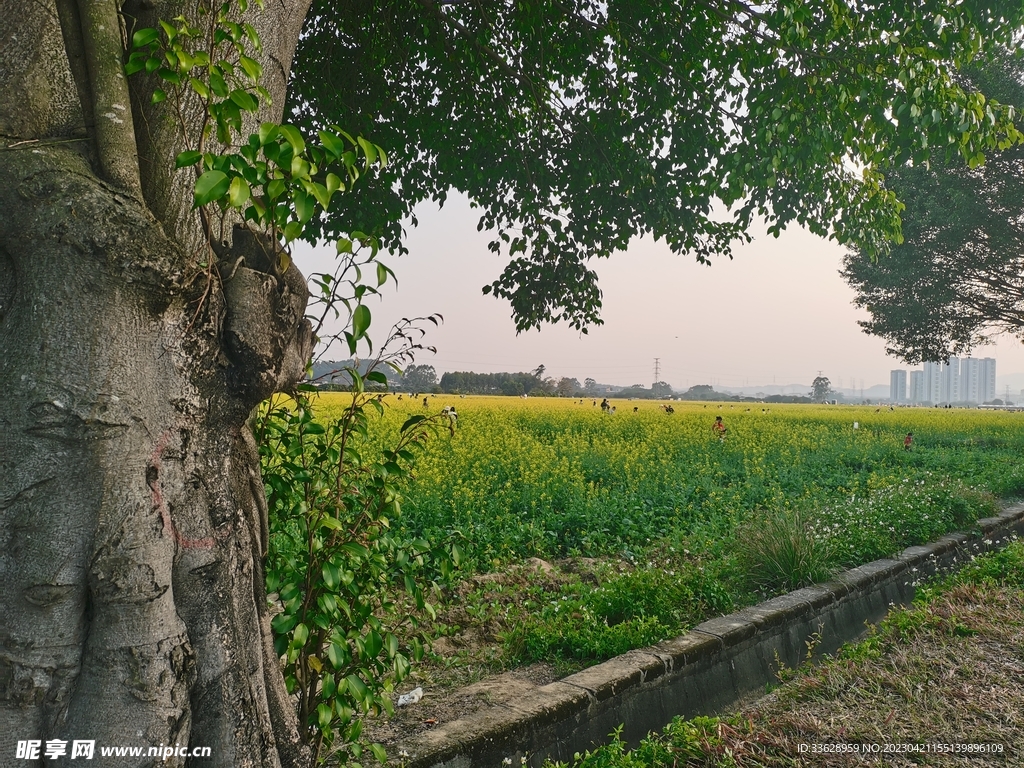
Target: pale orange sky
(778,312)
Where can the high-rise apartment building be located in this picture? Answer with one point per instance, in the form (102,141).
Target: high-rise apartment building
(967,380)
(917,387)
(977,380)
(970,370)
(949,381)
(987,380)
(932,389)
(897,386)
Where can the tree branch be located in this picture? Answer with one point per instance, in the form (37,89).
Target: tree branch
(113,130)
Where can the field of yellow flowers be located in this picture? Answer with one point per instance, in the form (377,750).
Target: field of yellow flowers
(688,517)
(557,477)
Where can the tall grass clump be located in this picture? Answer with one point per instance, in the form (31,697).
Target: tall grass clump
(782,550)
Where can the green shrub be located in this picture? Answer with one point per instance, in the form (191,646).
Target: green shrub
(350,592)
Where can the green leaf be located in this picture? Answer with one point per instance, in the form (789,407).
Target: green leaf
(199,87)
(332,523)
(332,575)
(170,31)
(360,321)
(275,189)
(333,182)
(300,635)
(332,143)
(251,67)
(324,716)
(369,150)
(321,194)
(144,37)
(283,623)
(328,686)
(268,132)
(238,193)
(299,169)
(380,753)
(211,186)
(377,376)
(158,95)
(252,34)
(355,549)
(292,230)
(136,63)
(293,137)
(337,656)
(412,421)
(188,157)
(217,83)
(185,61)
(358,687)
(304,206)
(244,100)
(373,643)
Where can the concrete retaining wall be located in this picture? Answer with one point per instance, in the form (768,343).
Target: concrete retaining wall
(702,672)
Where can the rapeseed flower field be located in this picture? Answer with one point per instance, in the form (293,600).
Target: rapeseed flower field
(674,523)
(549,478)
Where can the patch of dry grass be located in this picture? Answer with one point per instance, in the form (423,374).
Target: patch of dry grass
(948,672)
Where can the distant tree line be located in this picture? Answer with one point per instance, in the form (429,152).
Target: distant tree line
(512,384)
(707,392)
(335,375)
(660,390)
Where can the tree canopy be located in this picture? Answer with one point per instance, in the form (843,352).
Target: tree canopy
(577,125)
(821,389)
(958,276)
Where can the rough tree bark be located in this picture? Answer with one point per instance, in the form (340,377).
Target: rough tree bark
(131,507)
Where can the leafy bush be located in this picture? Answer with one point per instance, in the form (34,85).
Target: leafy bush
(349,589)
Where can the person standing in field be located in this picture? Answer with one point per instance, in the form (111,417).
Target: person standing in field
(719,429)
(908,441)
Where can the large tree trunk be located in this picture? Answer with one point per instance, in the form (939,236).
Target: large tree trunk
(132,517)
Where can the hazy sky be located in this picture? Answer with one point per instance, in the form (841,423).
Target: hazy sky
(778,312)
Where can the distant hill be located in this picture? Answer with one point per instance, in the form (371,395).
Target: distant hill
(874,392)
(327,372)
